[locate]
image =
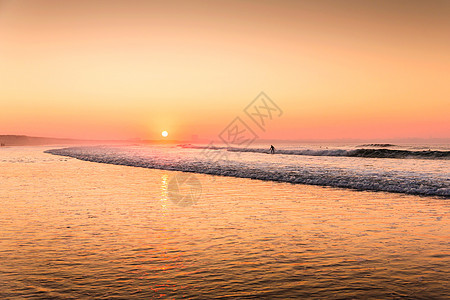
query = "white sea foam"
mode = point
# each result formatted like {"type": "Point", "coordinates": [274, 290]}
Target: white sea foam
{"type": "Point", "coordinates": [413, 176]}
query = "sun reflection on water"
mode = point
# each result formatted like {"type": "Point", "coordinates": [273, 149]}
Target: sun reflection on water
{"type": "Point", "coordinates": [164, 191]}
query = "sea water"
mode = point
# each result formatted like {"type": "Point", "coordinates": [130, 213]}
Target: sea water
{"type": "Point", "coordinates": [391, 168]}
{"type": "Point", "coordinates": [75, 229]}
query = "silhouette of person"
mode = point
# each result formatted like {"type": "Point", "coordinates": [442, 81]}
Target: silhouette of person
{"type": "Point", "coordinates": [272, 149]}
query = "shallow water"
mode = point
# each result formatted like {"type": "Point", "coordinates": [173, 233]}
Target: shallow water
{"type": "Point", "coordinates": [73, 229]}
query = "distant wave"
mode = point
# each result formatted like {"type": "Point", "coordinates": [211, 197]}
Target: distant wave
{"type": "Point", "coordinates": [411, 182]}
{"type": "Point", "coordinates": [389, 153]}
{"type": "Point", "coordinates": [369, 153]}
{"type": "Point", "coordinates": [378, 145]}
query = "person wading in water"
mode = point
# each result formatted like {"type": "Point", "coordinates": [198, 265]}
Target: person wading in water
{"type": "Point", "coordinates": [272, 149]}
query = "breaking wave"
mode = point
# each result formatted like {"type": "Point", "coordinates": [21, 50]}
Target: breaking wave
{"type": "Point", "coordinates": [363, 152]}
{"type": "Point", "coordinates": [353, 175]}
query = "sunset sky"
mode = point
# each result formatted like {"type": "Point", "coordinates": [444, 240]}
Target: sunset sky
{"type": "Point", "coordinates": [131, 69]}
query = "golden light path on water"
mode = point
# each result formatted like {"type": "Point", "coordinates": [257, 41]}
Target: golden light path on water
{"type": "Point", "coordinates": [76, 229]}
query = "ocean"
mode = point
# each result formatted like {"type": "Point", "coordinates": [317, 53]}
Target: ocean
{"type": "Point", "coordinates": [410, 169]}
{"type": "Point", "coordinates": [324, 221]}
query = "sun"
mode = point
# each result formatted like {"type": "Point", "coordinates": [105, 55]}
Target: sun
{"type": "Point", "coordinates": [164, 133]}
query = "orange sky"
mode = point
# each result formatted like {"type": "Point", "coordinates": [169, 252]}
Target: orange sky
{"type": "Point", "coordinates": [127, 69]}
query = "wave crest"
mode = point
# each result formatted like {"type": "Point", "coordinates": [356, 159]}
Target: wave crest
{"type": "Point", "coordinates": [362, 152]}
{"type": "Point", "coordinates": [409, 182]}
